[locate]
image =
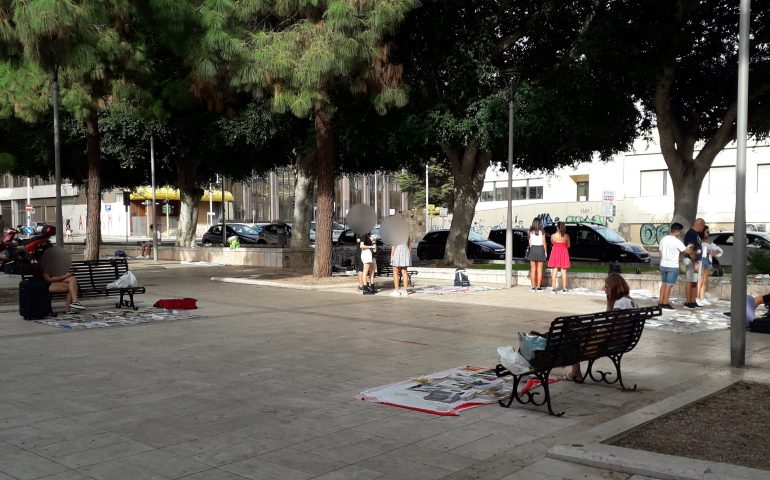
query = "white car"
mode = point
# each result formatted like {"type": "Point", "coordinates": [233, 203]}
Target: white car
{"type": "Point", "coordinates": [755, 241]}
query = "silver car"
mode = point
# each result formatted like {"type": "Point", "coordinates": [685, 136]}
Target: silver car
{"type": "Point", "coordinates": [755, 242]}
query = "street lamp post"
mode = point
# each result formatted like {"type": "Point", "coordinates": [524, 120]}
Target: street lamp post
{"type": "Point", "coordinates": [154, 224]}
{"type": "Point", "coordinates": [738, 292]}
{"type": "Point", "coordinates": [509, 215]}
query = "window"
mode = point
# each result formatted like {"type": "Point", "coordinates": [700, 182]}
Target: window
{"type": "Point", "coordinates": [722, 180]}
{"type": "Point", "coordinates": [654, 183]}
{"type": "Point", "coordinates": [522, 190]}
{"type": "Point", "coordinates": [536, 193]}
{"type": "Point", "coordinates": [582, 191]}
{"type": "Point", "coordinates": [763, 177]}
{"type": "Point", "coordinates": [487, 192]}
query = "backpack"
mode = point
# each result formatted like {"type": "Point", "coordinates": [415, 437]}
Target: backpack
{"type": "Point", "coordinates": [461, 278]}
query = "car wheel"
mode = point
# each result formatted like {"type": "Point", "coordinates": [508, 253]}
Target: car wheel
{"type": "Point", "coordinates": [261, 242]}
{"type": "Point", "coordinates": [206, 243]}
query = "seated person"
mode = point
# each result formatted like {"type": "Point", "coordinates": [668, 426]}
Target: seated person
{"type": "Point", "coordinates": [147, 246]}
{"type": "Point", "coordinates": [618, 298]}
{"type": "Point", "coordinates": [757, 301]}
{"type": "Point", "coordinates": [66, 283]}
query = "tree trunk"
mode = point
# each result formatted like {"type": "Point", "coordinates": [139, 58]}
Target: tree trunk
{"type": "Point", "coordinates": [322, 266]}
{"type": "Point", "coordinates": [303, 202]}
{"type": "Point", "coordinates": [468, 169]}
{"type": "Point", "coordinates": [687, 179]}
{"type": "Point", "coordinates": [93, 190]}
{"type": "Point", "coordinates": [190, 194]}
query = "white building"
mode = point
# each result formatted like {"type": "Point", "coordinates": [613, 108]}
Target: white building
{"type": "Point", "coordinates": [641, 187]}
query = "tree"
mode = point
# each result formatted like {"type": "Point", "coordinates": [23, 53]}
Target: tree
{"type": "Point", "coordinates": [457, 55]}
{"type": "Point", "coordinates": [94, 49]}
{"type": "Point", "coordinates": [301, 53]}
{"type": "Point", "coordinates": [440, 181]}
{"type": "Point", "coordinates": [679, 59]}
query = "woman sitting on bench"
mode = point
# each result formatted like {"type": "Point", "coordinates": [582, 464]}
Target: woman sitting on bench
{"type": "Point", "coordinates": [66, 283]}
{"type": "Point", "coordinates": [618, 298]}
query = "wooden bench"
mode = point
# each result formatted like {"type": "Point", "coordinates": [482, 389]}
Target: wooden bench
{"type": "Point", "coordinates": [581, 338]}
{"type": "Point", "coordinates": [93, 276]}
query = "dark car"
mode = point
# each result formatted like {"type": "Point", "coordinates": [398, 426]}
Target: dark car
{"type": "Point", "coordinates": [520, 240]}
{"type": "Point", "coordinates": [433, 245]}
{"type": "Point", "coordinates": [274, 234]}
{"type": "Point", "coordinates": [589, 242]}
{"type": "Point", "coordinates": [245, 234]}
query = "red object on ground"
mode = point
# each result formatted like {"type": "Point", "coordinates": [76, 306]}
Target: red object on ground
{"type": "Point", "coordinates": [176, 303]}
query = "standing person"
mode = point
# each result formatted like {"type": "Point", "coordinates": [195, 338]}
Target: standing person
{"type": "Point", "coordinates": [67, 231]}
{"type": "Point", "coordinates": [618, 298]}
{"type": "Point", "coordinates": [401, 260]}
{"type": "Point", "coordinates": [710, 252]}
{"type": "Point", "coordinates": [368, 255]}
{"type": "Point", "coordinates": [536, 254]}
{"type": "Point", "coordinates": [359, 265]}
{"type": "Point", "coordinates": [670, 247]}
{"type": "Point", "coordinates": [692, 261]}
{"type": "Point", "coordinates": [559, 259]}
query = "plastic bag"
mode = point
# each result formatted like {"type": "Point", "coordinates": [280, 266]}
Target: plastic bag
{"type": "Point", "coordinates": [512, 360]}
{"type": "Point", "coordinates": [125, 281]}
{"type": "Point", "coordinates": [528, 344]}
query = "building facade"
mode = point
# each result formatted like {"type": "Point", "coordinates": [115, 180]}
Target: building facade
{"type": "Point", "coordinates": [637, 184]}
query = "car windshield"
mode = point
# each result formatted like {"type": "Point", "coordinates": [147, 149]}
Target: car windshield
{"type": "Point", "coordinates": [610, 235]}
{"type": "Point", "coordinates": [475, 237]}
{"type": "Point", "coordinates": [244, 230]}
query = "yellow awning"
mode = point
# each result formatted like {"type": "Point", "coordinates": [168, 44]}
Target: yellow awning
{"type": "Point", "coordinates": [167, 193]}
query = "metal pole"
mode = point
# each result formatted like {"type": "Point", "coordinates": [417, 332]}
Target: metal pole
{"type": "Point", "coordinates": [738, 293]}
{"type": "Point", "coordinates": [128, 222]}
{"type": "Point", "coordinates": [224, 213]}
{"type": "Point", "coordinates": [29, 202]}
{"type": "Point", "coordinates": [509, 216]}
{"type": "Point", "coordinates": [376, 195]}
{"type": "Point", "coordinates": [154, 223]}
{"type": "Point", "coordinates": [57, 156]}
{"type": "Point", "coordinates": [427, 228]}
{"type": "Point", "coordinates": [211, 205]}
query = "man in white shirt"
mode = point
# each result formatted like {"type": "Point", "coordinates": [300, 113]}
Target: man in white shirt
{"type": "Point", "coordinates": [670, 248]}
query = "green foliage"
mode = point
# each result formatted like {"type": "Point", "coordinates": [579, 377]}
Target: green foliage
{"type": "Point", "coordinates": [759, 262]}
{"type": "Point", "coordinates": [441, 186]}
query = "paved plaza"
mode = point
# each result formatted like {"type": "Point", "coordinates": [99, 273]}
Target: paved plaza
{"type": "Point", "coordinates": [263, 386]}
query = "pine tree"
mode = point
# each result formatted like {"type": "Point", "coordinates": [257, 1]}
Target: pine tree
{"type": "Point", "coordinates": [300, 53]}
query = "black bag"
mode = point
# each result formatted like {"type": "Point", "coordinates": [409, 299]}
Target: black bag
{"type": "Point", "coordinates": [461, 278]}
{"type": "Point", "coordinates": [615, 267]}
{"type": "Point", "coordinates": [760, 325]}
{"type": "Point", "coordinates": [34, 299]}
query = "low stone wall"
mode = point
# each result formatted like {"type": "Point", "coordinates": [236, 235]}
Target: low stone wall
{"type": "Point", "coordinates": [718, 286]}
{"type": "Point", "coordinates": [256, 257]}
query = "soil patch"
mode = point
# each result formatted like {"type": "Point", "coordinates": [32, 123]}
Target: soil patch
{"type": "Point", "coordinates": [729, 427]}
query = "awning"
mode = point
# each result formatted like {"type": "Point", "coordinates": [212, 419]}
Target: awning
{"type": "Point", "coordinates": [167, 193]}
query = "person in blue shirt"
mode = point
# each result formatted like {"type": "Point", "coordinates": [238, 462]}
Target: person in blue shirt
{"type": "Point", "coordinates": [693, 240]}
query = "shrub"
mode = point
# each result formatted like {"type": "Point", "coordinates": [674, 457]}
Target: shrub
{"type": "Point", "coordinates": [759, 262]}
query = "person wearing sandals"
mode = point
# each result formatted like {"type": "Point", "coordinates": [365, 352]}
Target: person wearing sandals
{"type": "Point", "coordinates": [401, 260]}
{"type": "Point", "coordinates": [618, 298]}
{"type": "Point", "coordinates": [368, 252]}
{"type": "Point", "coordinates": [559, 259]}
{"type": "Point", "coordinates": [536, 254]}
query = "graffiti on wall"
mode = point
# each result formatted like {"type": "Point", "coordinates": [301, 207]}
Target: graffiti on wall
{"type": "Point", "coordinates": [651, 234]}
{"type": "Point", "coordinates": [596, 219]}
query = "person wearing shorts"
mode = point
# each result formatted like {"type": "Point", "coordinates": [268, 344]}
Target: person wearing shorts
{"type": "Point", "coordinates": [693, 262]}
{"type": "Point", "coordinates": [670, 248]}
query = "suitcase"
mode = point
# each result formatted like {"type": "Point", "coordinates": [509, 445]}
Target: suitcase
{"type": "Point", "coordinates": [760, 325]}
{"type": "Point", "coordinates": [34, 299]}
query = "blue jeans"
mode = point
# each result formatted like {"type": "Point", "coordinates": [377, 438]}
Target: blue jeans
{"type": "Point", "coordinates": [668, 275]}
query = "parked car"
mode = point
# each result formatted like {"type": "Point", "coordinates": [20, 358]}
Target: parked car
{"type": "Point", "coordinates": [337, 229]}
{"type": "Point", "coordinates": [520, 240]}
{"type": "Point", "coordinates": [274, 234]}
{"type": "Point", "coordinates": [246, 234]}
{"type": "Point", "coordinates": [433, 246]}
{"type": "Point", "coordinates": [589, 242]}
{"type": "Point", "coordinates": [755, 241]}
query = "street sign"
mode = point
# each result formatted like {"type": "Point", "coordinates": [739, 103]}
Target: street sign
{"type": "Point", "coordinates": [107, 207]}
{"type": "Point", "coordinates": [29, 208]}
{"type": "Point", "coordinates": [443, 212]}
{"type": "Point", "coordinates": [608, 203]}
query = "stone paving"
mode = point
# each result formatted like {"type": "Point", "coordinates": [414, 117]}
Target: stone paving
{"type": "Point", "coordinates": [262, 386]}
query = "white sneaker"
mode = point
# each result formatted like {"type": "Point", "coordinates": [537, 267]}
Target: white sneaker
{"type": "Point", "coordinates": [77, 306]}
{"type": "Point", "coordinates": [403, 292]}
{"type": "Point", "coordinates": [395, 293]}
{"type": "Point", "coordinates": [703, 302]}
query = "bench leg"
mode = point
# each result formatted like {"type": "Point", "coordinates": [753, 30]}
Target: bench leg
{"type": "Point", "coordinates": [530, 396]}
{"type": "Point", "coordinates": [604, 377]}
{"type": "Point", "coordinates": [127, 303]}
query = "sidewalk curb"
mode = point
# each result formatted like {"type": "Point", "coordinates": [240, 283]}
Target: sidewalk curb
{"type": "Point", "coordinates": [274, 284]}
{"type": "Point", "coordinates": [596, 454]}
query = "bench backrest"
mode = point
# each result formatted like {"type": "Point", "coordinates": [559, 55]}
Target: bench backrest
{"type": "Point", "coordinates": [578, 338]}
{"type": "Point", "coordinates": [96, 274]}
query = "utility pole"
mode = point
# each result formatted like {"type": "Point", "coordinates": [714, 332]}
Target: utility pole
{"type": "Point", "coordinates": [427, 228]}
{"type": "Point", "coordinates": [154, 224]}
{"type": "Point", "coordinates": [738, 292]}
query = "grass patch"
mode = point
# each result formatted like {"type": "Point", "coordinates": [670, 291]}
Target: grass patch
{"type": "Point", "coordinates": [576, 268]}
